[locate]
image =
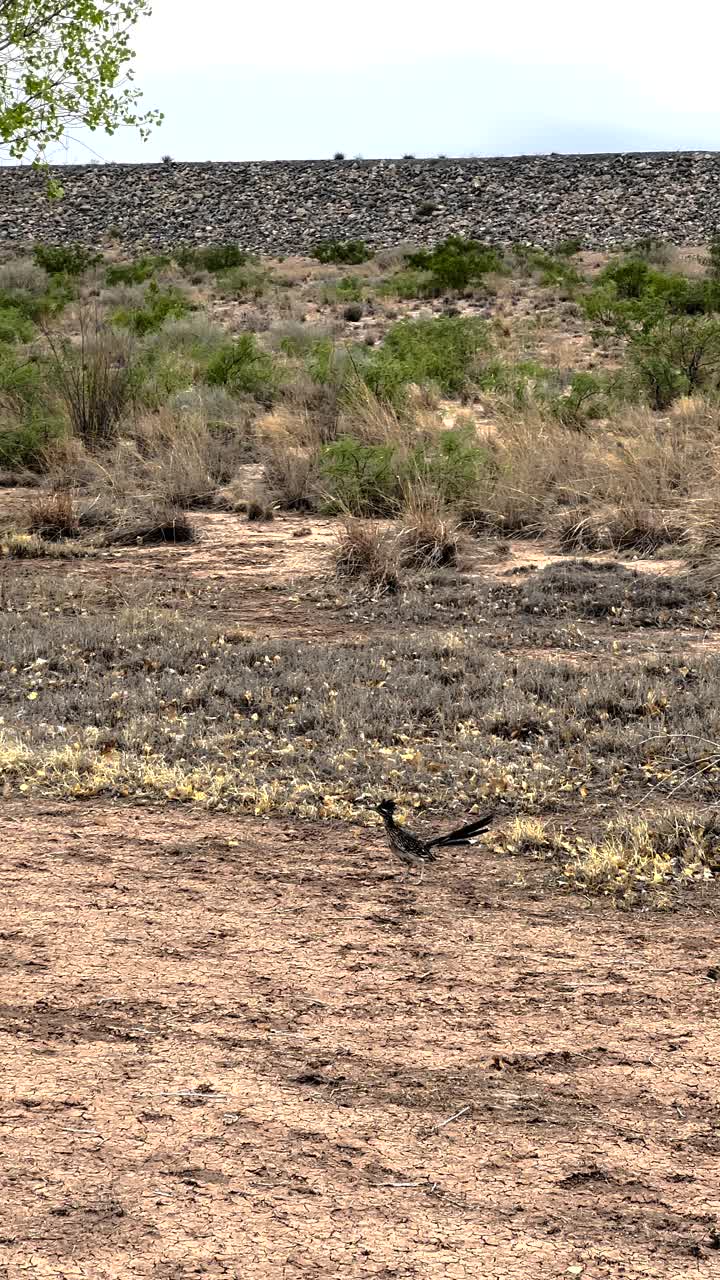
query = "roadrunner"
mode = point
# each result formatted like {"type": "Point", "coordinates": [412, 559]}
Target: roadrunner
{"type": "Point", "coordinates": [415, 852]}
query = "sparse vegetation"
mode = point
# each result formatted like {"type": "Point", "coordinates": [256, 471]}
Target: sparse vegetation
{"type": "Point", "coordinates": [347, 252]}
{"type": "Point", "coordinates": [440, 429]}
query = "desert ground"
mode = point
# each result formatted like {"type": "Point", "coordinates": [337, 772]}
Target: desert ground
{"type": "Point", "coordinates": [238, 1040]}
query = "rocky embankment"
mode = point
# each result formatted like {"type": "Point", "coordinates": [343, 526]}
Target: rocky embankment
{"type": "Point", "coordinates": [285, 207]}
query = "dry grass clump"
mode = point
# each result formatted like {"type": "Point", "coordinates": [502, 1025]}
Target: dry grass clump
{"type": "Point", "coordinates": [428, 537]}
{"type": "Point", "coordinates": [173, 457]}
{"type": "Point", "coordinates": [144, 524]}
{"type": "Point", "coordinates": [636, 858]}
{"type": "Point", "coordinates": [29, 546]}
{"type": "Point", "coordinates": [370, 551]}
{"type": "Point", "coordinates": [94, 379]}
{"type": "Point", "coordinates": [53, 516]}
{"type": "Point", "coordinates": [626, 526]}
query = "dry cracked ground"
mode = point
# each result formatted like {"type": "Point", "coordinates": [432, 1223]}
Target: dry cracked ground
{"type": "Point", "coordinates": [243, 1047]}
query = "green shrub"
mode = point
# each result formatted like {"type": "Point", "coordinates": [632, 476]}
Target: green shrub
{"type": "Point", "coordinates": [630, 277]}
{"type": "Point", "coordinates": [455, 264]}
{"type": "Point", "coordinates": [408, 283]}
{"type": "Point", "coordinates": [552, 269]}
{"type": "Point", "coordinates": [348, 289]}
{"type": "Point", "coordinates": [375, 479]}
{"type": "Point", "coordinates": [27, 424]}
{"type": "Point", "coordinates": [441, 352]}
{"type": "Point", "coordinates": [158, 306]}
{"type": "Point", "coordinates": [713, 259]}
{"type": "Point", "coordinates": [211, 257]}
{"type": "Point", "coordinates": [136, 272]}
{"type": "Point", "coordinates": [568, 248]}
{"type": "Point", "coordinates": [677, 356]}
{"type": "Point", "coordinates": [14, 325]}
{"type": "Point", "coordinates": [65, 259]}
{"type": "Point", "coordinates": [584, 399]}
{"type": "Point", "coordinates": [348, 252]}
{"type": "Point", "coordinates": [242, 366]}
{"type": "Point", "coordinates": [452, 465]}
{"type": "Point", "coordinates": [518, 382]}
{"type": "Point", "coordinates": [244, 283]}
{"type": "Point", "coordinates": [361, 479]}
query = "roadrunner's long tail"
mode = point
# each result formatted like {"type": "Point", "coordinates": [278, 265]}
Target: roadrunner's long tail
{"type": "Point", "coordinates": [463, 835]}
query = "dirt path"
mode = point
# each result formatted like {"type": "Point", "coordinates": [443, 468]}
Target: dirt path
{"type": "Point", "coordinates": [232, 1047]}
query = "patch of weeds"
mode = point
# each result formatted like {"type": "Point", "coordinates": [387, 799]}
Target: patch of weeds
{"type": "Point", "coordinates": [15, 325]}
{"type": "Point", "coordinates": [52, 516]}
{"type": "Point", "coordinates": [211, 257]}
{"type": "Point", "coordinates": [640, 858]}
{"type": "Point", "coordinates": [347, 289]}
{"type": "Point", "coordinates": [242, 366]}
{"type": "Point", "coordinates": [144, 525]}
{"type": "Point", "coordinates": [428, 537]}
{"type": "Point", "coordinates": [376, 479]}
{"type": "Point", "coordinates": [342, 252]}
{"type": "Point", "coordinates": [65, 259]}
{"type": "Point", "coordinates": [158, 306]}
{"type": "Point", "coordinates": [455, 264]}
{"type": "Point", "coordinates": [244, 284]}
{"type": "Point", "coordinates": [30, 546]}
{"type": "Point", "coordinates": [584, 399]}
{"type": "Point", "coordinates": [94, 379]}
{"type": "Point", "coordinates": [370, 553]}
{"type": "Point", "coordinates": [442, 352]}
{"type": "Point", "coordinates": [550, 269]}
{"type": "Point", "coordinates": [136, 272]}
{"type": "Point", "coordinates": [362, 479]}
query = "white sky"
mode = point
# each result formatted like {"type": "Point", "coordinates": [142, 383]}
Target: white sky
{"type": "Point", "coordinates": [281, 81]}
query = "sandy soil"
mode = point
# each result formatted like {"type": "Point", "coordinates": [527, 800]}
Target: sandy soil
{"type": "Point", "coordinates": [242, 1048]}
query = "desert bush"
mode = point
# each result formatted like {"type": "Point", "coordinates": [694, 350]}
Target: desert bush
{"type": "Point", "coordinates": [28, 420]}
{"type": "Point", "coordinates": [361, 479]}
{"type": "Point", "coordinates": [65, 259]}
{"type": "Point", "coordinates": [292, 472]}
{"type": "Point", "coordinates": [242, 366]}
{"type": "Point", "coordinates": [568, 248]}
{"type": "Point", "coordinates": [584, 399]}
{"type": "Point", "coordinates": [677, 356]}
{"type": "Point", "coordinates": [454, 265]}
{"type": "Point", "coordinates": [94, 379]}
{"type": "Point", "coordinates": [243, 283]}
{"type": "Point", "coordinates": [138, 271]}
{"type": "Point", "coordinates": [442, 352]}
{"type": "Point", "coordinates": [211, 257]}
{"type": "Point", "coordinates": [158, 306]}
{"type": "Point", "coordinates": [343, 252]}
{"type": "Point", "coordinates": [172, 360]}
{"type": "Point", "coordinates": [25, 287]}
{"type": "Point", "coordinates": [628, 525]}
{"type": "Point", "coordinates": [365, 480]}
{"type": "Point", "coordinates": [713, 258]}
{"type": "Point", "coordinates": [14, 325]}
{"type": "Point", "coordinates": [353, 313]}
{"type": "Point", "coordinates": [23, 276]}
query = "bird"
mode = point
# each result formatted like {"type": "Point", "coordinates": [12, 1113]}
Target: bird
{"type": "Point", "coordinates": [413, 851]}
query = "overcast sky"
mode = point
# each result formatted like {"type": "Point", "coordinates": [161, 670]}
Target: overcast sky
{"type": "Point", "coordinates": [284, 80]}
